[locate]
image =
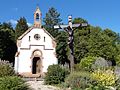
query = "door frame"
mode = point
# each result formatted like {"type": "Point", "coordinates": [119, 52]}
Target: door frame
{"type": "Point", "coordinates": [39, 55]}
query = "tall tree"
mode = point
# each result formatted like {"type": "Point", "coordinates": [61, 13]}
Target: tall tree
{"type": "Point", "coordinates": [7, 42]}
{"type": "Point", "coordinates": [62, 48]}
{"type": "Point", "coordinates": [21, 27]}
{"type": "Point", "coordinates": [52, 18]}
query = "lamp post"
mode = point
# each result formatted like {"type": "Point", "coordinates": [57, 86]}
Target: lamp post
{"type": "Point", "coordinates": [69, 29]}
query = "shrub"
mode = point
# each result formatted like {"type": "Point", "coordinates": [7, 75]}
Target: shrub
{"type": "Point", "coordinates": [100, 63]}
{"type": "Point", "coordinates": [78, 80]}
{"type": "Point", "coordinates": [77, 67]}
{"type": "Point", "coordinates": [104, 77]}
{"type": "Point", "coordinates": [87, 62]}
{"type": "Point", "coordinates": [12, 83]}
{"type": "Point", "coordinates": [6, 69]}
{"type": "Point", "coordinates": [117, 72]}
{"type": "Point", "coordinates": [55, 74]}
{"type": "Point", "coordinates": [117, 59]}
{"type": "Point", "coordinates": [97, 87]}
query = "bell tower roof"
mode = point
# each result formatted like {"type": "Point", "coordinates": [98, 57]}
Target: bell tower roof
{"type": "Point", "coordinates": [37, 9]}
{"type": "Point", "coordinates": [37, 17]}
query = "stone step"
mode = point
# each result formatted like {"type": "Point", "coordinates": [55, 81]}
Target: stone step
{"type": "Point", "coordinates": [32, 79]}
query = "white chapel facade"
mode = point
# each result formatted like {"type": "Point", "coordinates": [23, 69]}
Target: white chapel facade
{"type": "Point", "coordinates": [36, 50]}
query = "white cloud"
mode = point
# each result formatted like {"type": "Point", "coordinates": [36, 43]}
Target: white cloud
{"type": "Point", "coordinates": [14, 22]}
{"type": "Point", "coordinates": [29, 24]}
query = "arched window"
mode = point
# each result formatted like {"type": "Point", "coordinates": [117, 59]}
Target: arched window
{"type": "Point", "coordinates": [37, 17]}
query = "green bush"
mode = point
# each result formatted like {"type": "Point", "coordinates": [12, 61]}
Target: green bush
{"type": "Point", "coordinates": [77, 67]}
{"type": "Point", "coordinates": [86, 63]}
{"type": "Point", "coordinates": [55, 74]}
{"type": "Point", "coordinates": [97, 87]}
{"type": "Point", "coordinates": [117, 59]}
{"type": "Point", "coordinates": [6, 69]}
{"type": "Point", "coordinates": [97, 80]}
{"type": "Point", "coordinates": [12, 83]}
{"type": "Point", "coordinates": [78, 80]}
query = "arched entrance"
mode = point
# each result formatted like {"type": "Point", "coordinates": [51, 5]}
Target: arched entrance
{"type": "Point", "coordinates": [36, 62]}
{"type": "Point", "coordinates": [36, 65]}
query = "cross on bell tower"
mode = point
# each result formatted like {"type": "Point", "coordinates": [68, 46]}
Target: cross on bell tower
{"type": "Point", "coordinates": [37, 18]}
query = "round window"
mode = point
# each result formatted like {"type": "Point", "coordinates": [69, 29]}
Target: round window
{"type": "Point", "coordinates": [37, 36]}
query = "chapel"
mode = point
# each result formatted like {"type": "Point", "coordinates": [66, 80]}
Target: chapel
{"type": "Point", "coordinates": [35, 50]}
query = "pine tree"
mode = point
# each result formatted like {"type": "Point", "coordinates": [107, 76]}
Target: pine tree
{"type": "Point", "coordinates": [21, 27]}
{"type": "Point", "coordinates": [51, 19]}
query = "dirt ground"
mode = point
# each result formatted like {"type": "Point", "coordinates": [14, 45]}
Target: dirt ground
{"type": "Point", "coordinates": [39, 85]}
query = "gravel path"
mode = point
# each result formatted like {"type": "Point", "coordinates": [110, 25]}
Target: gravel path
{"type": "Point", "coordinates": [39, 85]}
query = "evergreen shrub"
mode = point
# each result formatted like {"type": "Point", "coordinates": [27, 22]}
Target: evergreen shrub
{"type": "Point", "coordinates": [117, 59]}
{"type": "Point", "coordinates": [12, 83]}
{"type": "Point", "coordinates": [100, 63]}
{"type": "Point", "coordinates": [86, 63]}
{"type": "Point", "coordinates": [78, 80]}
{"type": "Point", "coordinates": [6, 69]}
{"type": "Point", "coordinates": [55, 75]}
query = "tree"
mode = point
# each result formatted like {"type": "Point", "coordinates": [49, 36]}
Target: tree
{"type": "Point", "coordinates": [79, 20]}
{"type": "Point", "coordinates": [21, 27]}
{"type": "Point", "coordinates": [62, 48]}
{"type": "Point", "coordinates": [7, 42]}
{"type": "Point", "coordinates": [51, 19]}
{"type": "Point", "coordinates": [80, 40]}
{"type": "Point", "coordinates": [93, 41]}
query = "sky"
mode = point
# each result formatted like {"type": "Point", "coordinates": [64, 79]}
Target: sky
{"type": "Point", "coordinates": [103, 13]}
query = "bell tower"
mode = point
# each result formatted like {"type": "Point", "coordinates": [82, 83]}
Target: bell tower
{"type": "Point", "coordinates": [37, 18]}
